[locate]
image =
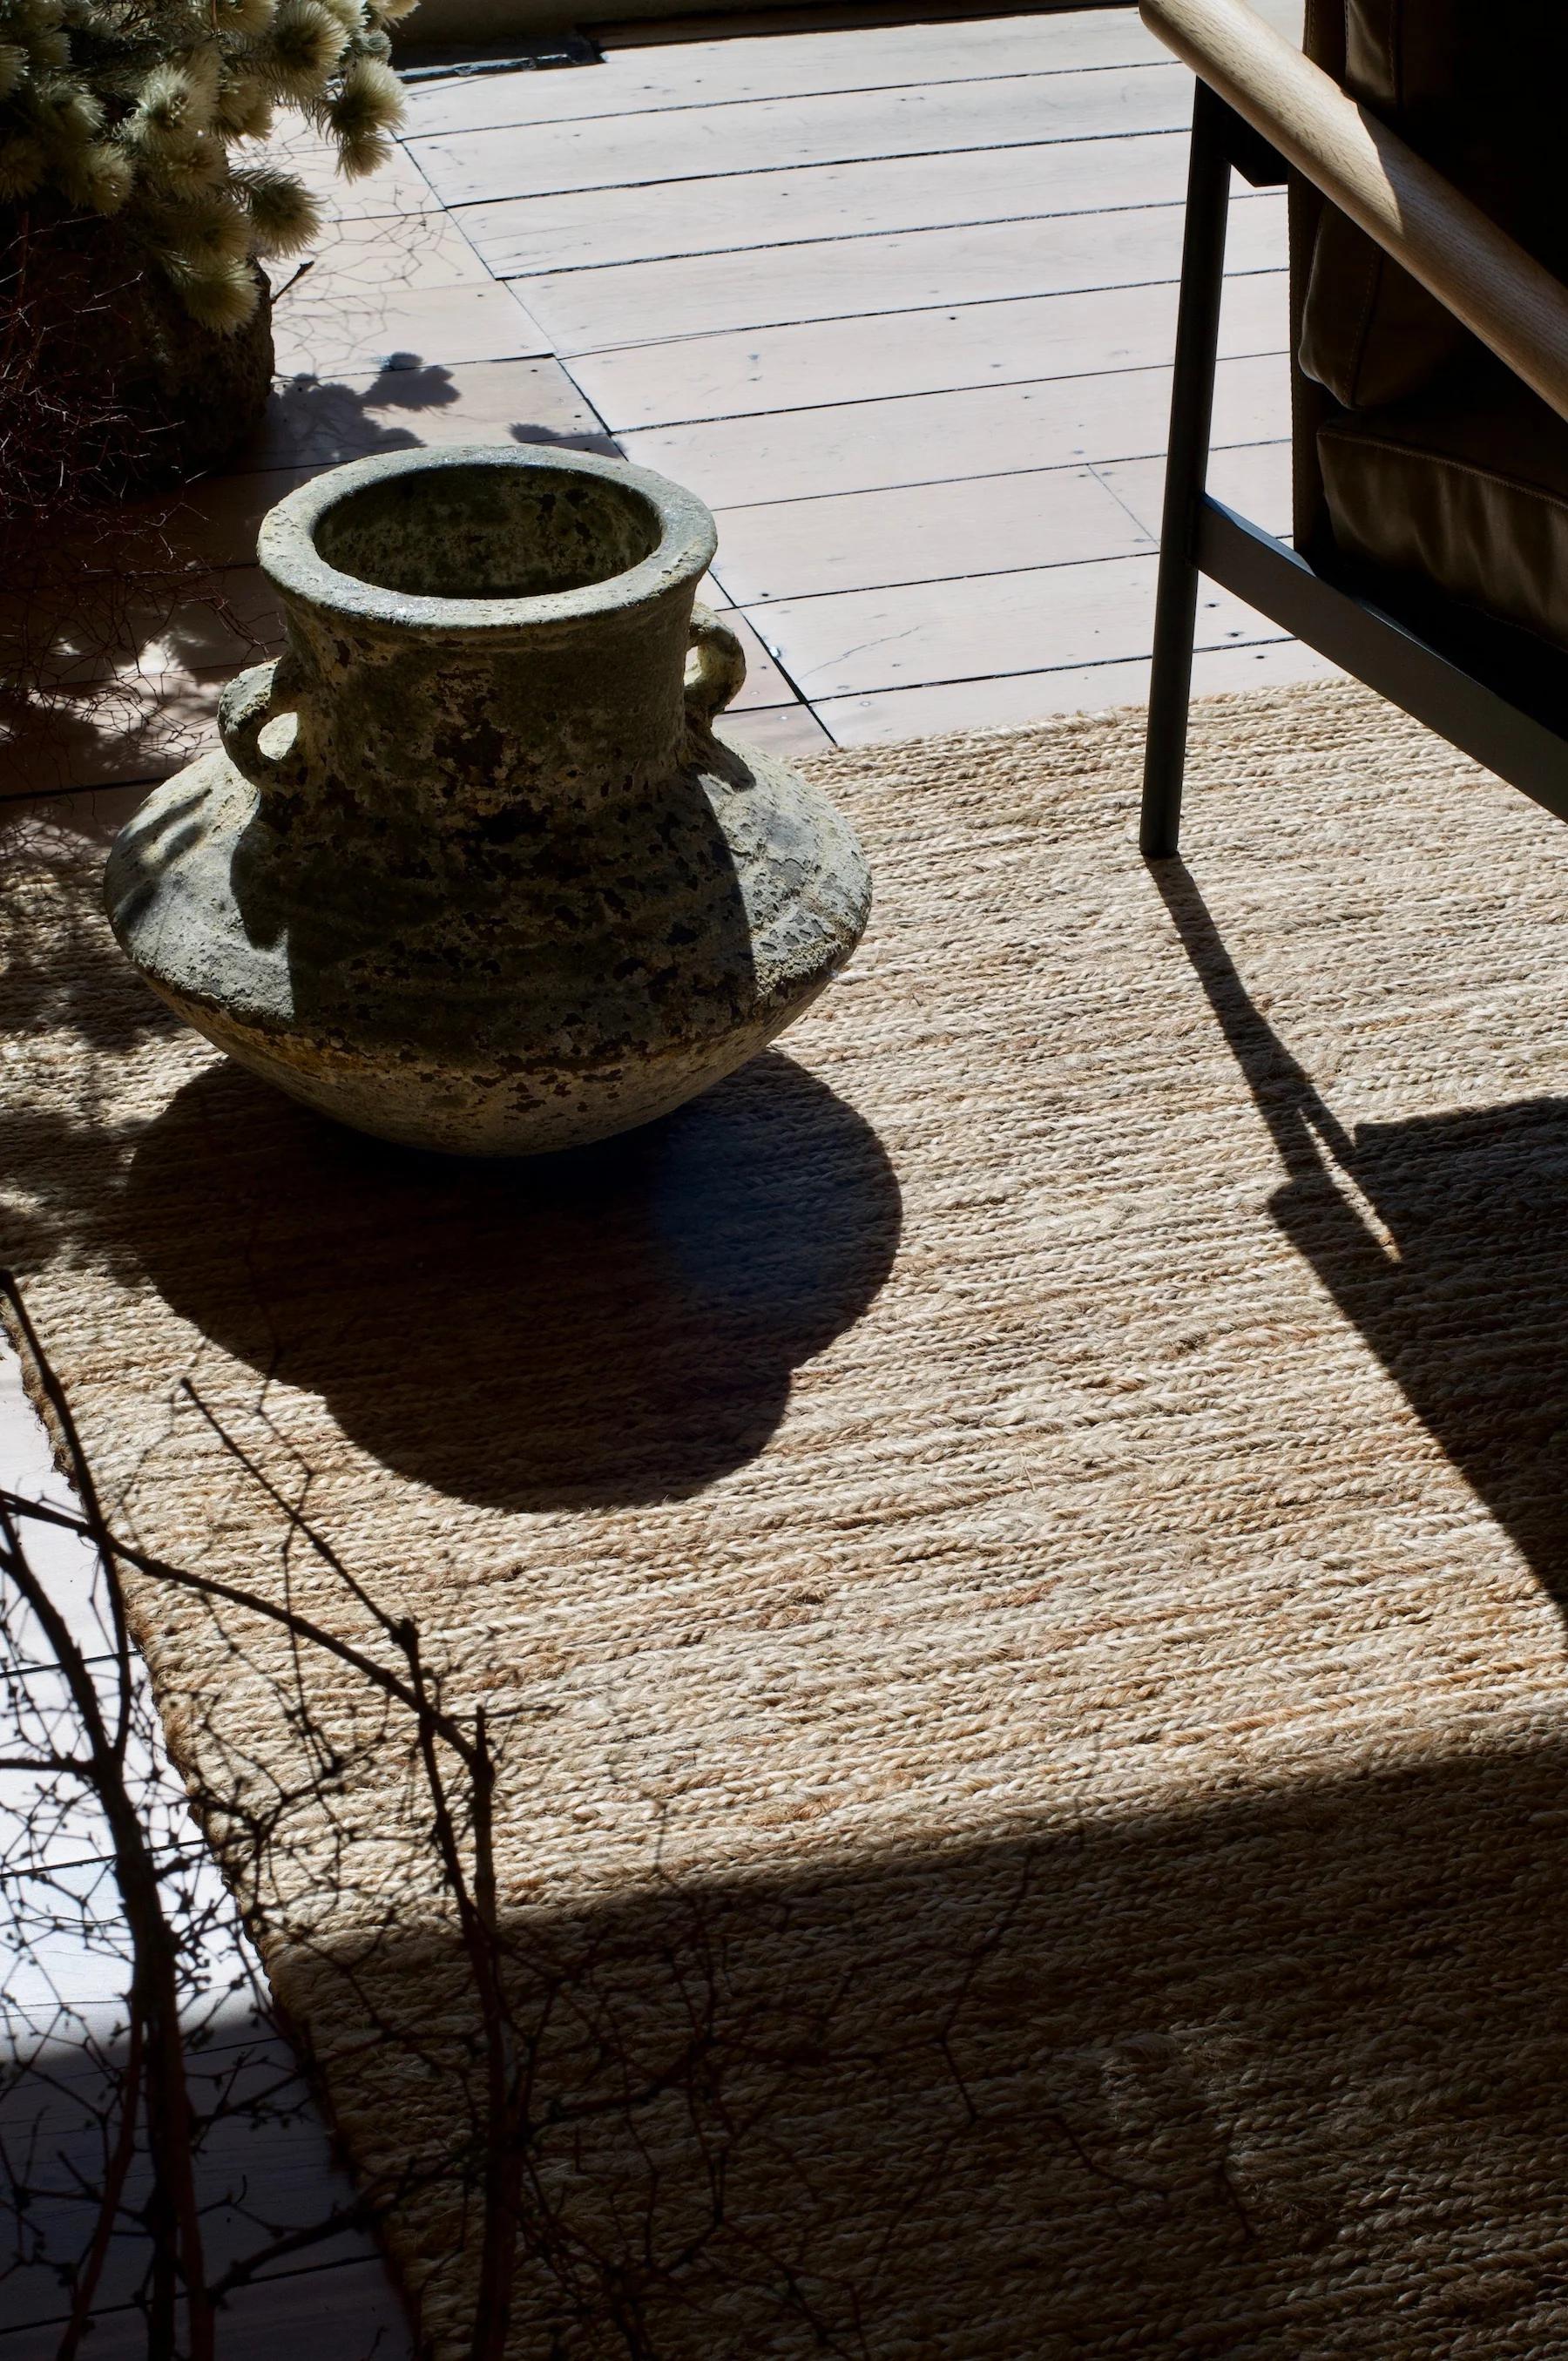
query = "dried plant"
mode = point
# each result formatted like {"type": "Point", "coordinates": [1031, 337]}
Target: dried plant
{"type": "Point", "coordinates": [139, 110]}
{"type": "Point", "coordinates": [136, 198]}
{"type": "Point", "coordinates": [96, 588]}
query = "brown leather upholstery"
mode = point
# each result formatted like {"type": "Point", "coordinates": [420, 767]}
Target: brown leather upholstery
{"type": "Point", "coordinates": [1476, 87]}
{"type": "Point", "coordinates": [1370, 333]}
{"type": "Point", "coordinates": [1464, 487]}
{"type": "Point", "coordinates": [1434, 463]}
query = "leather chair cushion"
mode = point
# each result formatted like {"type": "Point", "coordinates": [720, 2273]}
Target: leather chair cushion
{"type": "Point", "coordinates": [1370, 332]}
{"type": "Point", "coordinates": [1465, 489]}
{"type": "Point", "coordinates": [1476, 87]}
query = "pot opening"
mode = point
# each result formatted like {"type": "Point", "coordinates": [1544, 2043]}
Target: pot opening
{"type": "Point", "coordinates": [489, 532]}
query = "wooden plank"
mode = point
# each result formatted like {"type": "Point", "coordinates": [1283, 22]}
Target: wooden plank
{"type": "Point", "coordinates": [135, 702]}
{"type": "Point", "coordinates": [868, 359]}
{"type": "Point", "coordinates": [861, 541]}
{"type": "Point", "coordinates": [813, 16]}
{"type": "Point", "coordinates": [1024, 698]}
{"type": "Point", "coordinates": [1253, 478]}
{"type": "Point", "coordinates": [311, 423]}
{"type": "Point", "coordinates": [263, 2158]}
{"type": "Point", "coordinates": [402, 329]}
{"type": "Point", "coordinates": [216, 520]}
{"type": "Point", "coordinates": [357, 257]}
{"type": "Point", "coordinates": [936, 437]}
{"type": "Point", "coordinates": [765, 684]}
{"type": "Point", "coordinates": [765, 689]}
{"type": "Point", "coordinates": [865, 641]}
{"type": "Point", "coordinates": [153, 633]}
{"type": "Point", "coordinates": [727, 72]}
{"type": "Point", "coordinates": [122, 733]}
{"type": "Point", "coordinates": [68, 1565]}
{"type": "Point", "coordinates": [348, 2310]}
{"type": "Point", "coordinates": [100, 813]}
{"type": "Point", "coordinates": [792, 731]}
{"type": "Point", "coordinates": [632, 303]}
{"type": "Point", "coordinates": [151, 726]}
{"type": "Point", "coordinates": [596, 226]}
{"type": "Point", "coordinates": [397, 186]}
{"type": "Point", "coordinates": [846, 127]}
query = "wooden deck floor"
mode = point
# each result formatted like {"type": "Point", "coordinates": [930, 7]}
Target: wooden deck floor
{"type": "Point", "coordinates": [898, 301]}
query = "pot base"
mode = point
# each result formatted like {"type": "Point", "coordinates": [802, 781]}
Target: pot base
{"type": "Point", "coordinates": [431, 1105]}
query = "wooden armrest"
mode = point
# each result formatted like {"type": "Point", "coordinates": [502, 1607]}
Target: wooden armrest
{"type": "Point", "coordinates": [1500, 293]}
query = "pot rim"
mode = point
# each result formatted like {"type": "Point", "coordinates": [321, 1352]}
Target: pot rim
{"type": "Point", "coordinates": [286, 548]}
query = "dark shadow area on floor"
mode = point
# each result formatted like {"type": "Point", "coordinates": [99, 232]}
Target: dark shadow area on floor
{"type": "Point", "coordinates": [314, 421]}
{"type": "Point", "coordinates": [619, 1323]}
{"type": "Point", "coordinates": [1272, 2076]}
{"type": "Point", "coordinates": [1464, 1300]}
{"type": "Point", "coordinates": [261, 2167]}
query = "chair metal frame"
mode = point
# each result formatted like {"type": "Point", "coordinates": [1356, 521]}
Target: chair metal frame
{"type": "Point", "coordinates": [1445, 673]}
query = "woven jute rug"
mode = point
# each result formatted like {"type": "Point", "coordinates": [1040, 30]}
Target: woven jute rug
{"type": "Point", "coordinates": [1013, 1555]}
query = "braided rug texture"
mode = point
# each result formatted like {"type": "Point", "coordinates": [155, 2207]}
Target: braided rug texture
{"type": "Point", "coordinates": [1015, 1552]}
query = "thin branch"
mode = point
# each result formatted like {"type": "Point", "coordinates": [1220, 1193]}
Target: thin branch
{"type": "Point", "coordinates": [85, 1487]}
{"type": "Point", "coordinates": [208, 1587]}
{"type": "Point", "coordinates": [108, 2203]}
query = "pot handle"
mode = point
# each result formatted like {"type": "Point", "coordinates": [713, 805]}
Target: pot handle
{"type": "Point", "coordinates": [720, 666]}
{"type": "Point", "coordinates": [250, 701]}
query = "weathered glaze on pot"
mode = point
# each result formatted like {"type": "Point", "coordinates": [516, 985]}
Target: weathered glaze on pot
{"type": "Point", "coordinates": [471, 871]}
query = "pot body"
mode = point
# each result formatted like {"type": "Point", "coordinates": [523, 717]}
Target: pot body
{"type": "Point", "coordinates": [471, 871]}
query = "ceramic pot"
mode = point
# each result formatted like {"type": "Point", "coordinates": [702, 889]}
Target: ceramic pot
{"type": "Point", "coordinates": [471, 871]}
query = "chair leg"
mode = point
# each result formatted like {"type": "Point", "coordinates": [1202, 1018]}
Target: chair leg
{"type": "Point", "coordinates": [1186, 463]}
